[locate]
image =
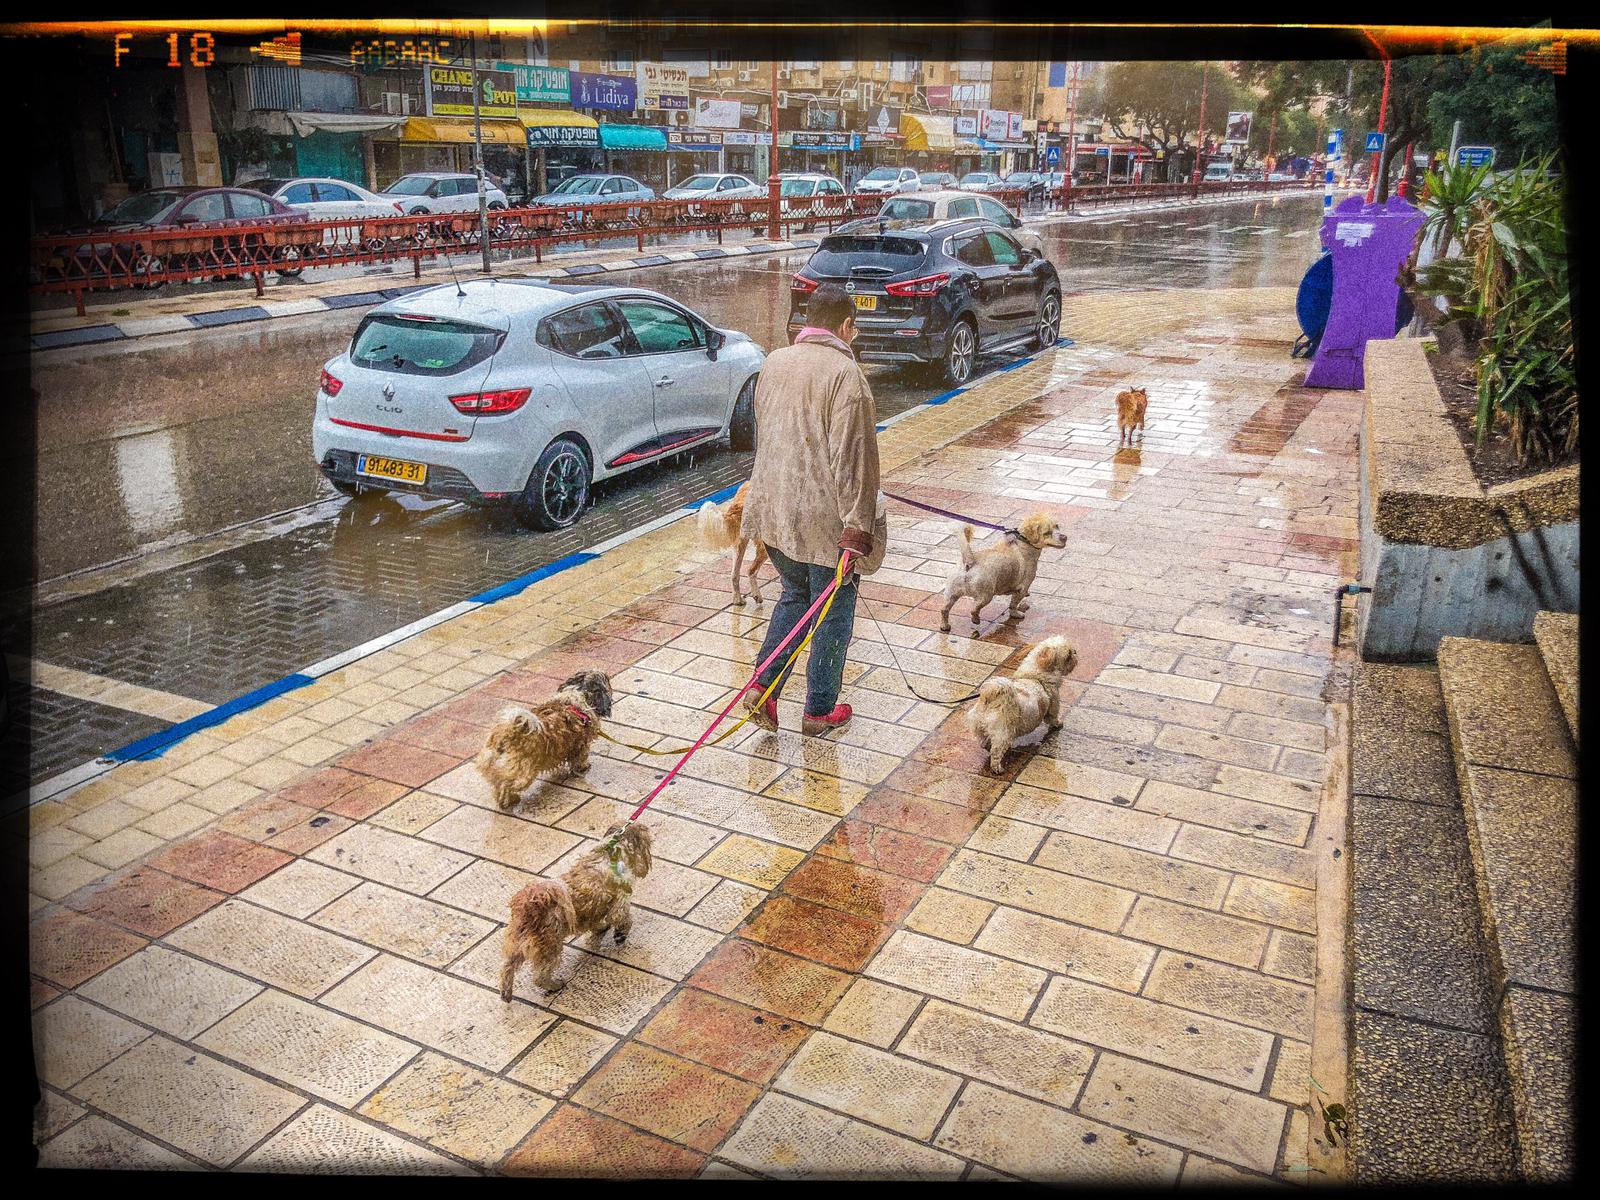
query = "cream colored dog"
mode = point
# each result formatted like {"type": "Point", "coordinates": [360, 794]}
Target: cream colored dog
{"type": "Point", "coordinates": [1004, 570]}
{"type": "Point", "coordinates": [1007, 709]}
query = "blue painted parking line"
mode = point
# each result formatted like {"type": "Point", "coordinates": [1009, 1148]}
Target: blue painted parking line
{"type": "Point", "coordinates": [353, 300]}
{"type": "Point", "coordinates": [710, 253]}
{"type": "Point", "coordinates": [522, 583]}
{"type": "Point", "coordinates": [85, 336]}
{"type": "Point", "coordinates": [585, 269]}
{"type": "Point", "coordinates": [158, 743]}
{"type": "Point", "coordinates": [229, 316]}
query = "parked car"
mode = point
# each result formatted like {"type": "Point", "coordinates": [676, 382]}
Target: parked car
{"type": "Point", "coordinates": [525, 393]}
{"type": "Point", "coordinates": [328, 199]}
{"type": "Point", "coordinates": [927, 208]}
{"type": "Point", "coordinates": [1031, 183]}
{"type": "Point", "coordinates": [1220, 172]}
{"type": "Point", "coordinates": [888, 181]}
{"type": "Point", "coordinates": [941, 294]}
{"type": "Point", "coordinates": [936, 181]}
{"type": "Point", "coordinates": [1056, 180]}
{"type": "Point", "coordinates": [585, 191]}
{"type": "Point", "coordinates": [713, 186]}
{"type": "Point", "coordinates": [441, 192]}
{"type": "Point", "coordinates": [811, 194]}
{"type": "Point", "coordinates": [980, 181]}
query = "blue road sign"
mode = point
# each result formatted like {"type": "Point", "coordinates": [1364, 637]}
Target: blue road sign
{"type": "Point", "coordinates": [1053, 154]}
{"type": "Point", "coordinates": [1474, 156]}
{"type": "Point", "coordinates": [1106, 150]}
{"type": "Point", "coordinates": [1375, 143]}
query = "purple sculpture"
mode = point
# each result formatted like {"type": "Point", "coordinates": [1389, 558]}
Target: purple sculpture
{"type": "Point", "coordinates": [1369, 243]}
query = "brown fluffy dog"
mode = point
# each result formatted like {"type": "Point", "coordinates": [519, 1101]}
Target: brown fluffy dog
{"type": "Point", "coordinates": [1004, 570]}
{"type": "Point", "coordinates": [1007, 709]}
{"type": "Point", "coordinates": [553, 735]}
{"type": "Point", "coordinates": [593, 898]}
{"type": "Point", "coordinates": [1130, 414]}
{"type": "Point", "coordinates": [718, 527]}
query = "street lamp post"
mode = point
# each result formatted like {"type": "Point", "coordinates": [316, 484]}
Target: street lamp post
{"type": "Point", "coordinates": [1200, 133]}
{"type": "Point", "coordinates": [477, 160]}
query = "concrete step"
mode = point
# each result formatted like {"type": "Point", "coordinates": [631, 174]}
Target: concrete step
{"type": "Point", "coordinates": [1557, 637]}
{"type": "Point", "coordinates": [1516, 770]}
{"type": "Point", "coordinates": [1428, 1088]}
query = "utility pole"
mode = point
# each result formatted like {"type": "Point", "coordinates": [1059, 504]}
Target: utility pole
{"type": "Point", "coordinates": [1378, 159]}
{"type": "Point", "coordinates": [1072, 129]}
{"type": "Point", "coordinates": [477, 160]}
{"type": "Point", "coordinates": [1455, 138]}
{"type": "Point", "coordinates": [1200, 133]}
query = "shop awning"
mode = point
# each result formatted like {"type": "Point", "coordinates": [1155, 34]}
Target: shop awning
{"type": "Point", "coordinates": [996, 147]}
{"type": "Point", "coordinates": [926, 132]}
{"type": "Point", "coordinates": [307, 123]}
{"type": "Point", "coordinates": [554, 127]}
{"type": "Point", "coordinates": [460, 129]}
{"type": "Point", "coordinates": [632, 137]}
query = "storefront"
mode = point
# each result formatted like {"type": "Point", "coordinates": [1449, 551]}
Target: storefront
{"type": "Point", "coordinates": [747, 153]}
{"type": "Point", "coordinates": [442, 144]}
{"type": "Point", "coordinates": [825, 153]}
{"type": "Point", "coordinates": [692, 152]}
{"type": "Point", "coordinates": [562, 143]}
{"type": "Point", "coordinates": [636, 150]}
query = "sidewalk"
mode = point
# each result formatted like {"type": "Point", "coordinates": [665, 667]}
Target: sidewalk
{"type": "Point", "coordinates": [276, 945]}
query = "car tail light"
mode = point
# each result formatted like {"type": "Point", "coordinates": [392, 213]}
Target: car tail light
{"type": "Point", "coordinates": [479, 404]}
{"type": "Point", "coordinates": [802, 284]}
{"type": "Point", "coordinates": [330, 384]}
{"type": "Point", "coordinates": [398, 209]}
{"type": "Point", "coordinates": [925, 286]}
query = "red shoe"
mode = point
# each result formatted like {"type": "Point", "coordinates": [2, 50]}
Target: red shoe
{"type": "Point", "coordinates": [837, 719]}
{"type": "Point", "coordinates": [766, 716]}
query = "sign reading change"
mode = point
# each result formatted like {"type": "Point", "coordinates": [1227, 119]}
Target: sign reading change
{"type": "Point", "coordinates": [450, 91]}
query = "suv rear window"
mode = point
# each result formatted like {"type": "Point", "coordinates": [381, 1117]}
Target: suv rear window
{"type": "Point", "coordinates": [838, 254]}
{"type": "Point", "coordinates": [387, 342]}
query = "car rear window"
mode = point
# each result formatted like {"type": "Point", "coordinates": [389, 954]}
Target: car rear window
{"type": "Point", "coordinates": [903, 209]}
{"type": "Point", "coordinates": [408, 346]}
{"type": "Point", "coordinates": [837, 255]}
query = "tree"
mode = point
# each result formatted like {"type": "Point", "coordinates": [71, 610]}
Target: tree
{"type": "Point", "coordinates": [1158, 104]}
{"type": "Point", "coordinates": [1501, 100]}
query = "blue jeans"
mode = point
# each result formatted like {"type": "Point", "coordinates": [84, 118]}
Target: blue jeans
{"type": "Point", "coordinates": [802, 584]}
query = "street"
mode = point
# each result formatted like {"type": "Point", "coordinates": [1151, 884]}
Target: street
{"type": "Point", "coordinates": [236, 564]}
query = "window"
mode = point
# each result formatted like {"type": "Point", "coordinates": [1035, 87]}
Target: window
{"type": "Point", "coordinates": [211, 207]}
{"type": "Point", "coordinates": [460, 187]}
{"type": "Point", "coordinates": [611, 188]}
{"type": "Point", "coordinates": [731, 182]}
{"type": "Point", "coordinates": [631, 185]}
{"type": "Point", "coordinates": [616, 60]}
{"type": "Point", "coordinates": [903, 209]}
{"type": "Point", "coordinates": [964, 207]}
{"type": "Point", "coordinates": [389, 342]}
{"type": "Point", "coordinates": [412, 185]}
{"type": "Point", "coordinates": [831, 187]}
{"type": "Point", "coordinates": [658, 329]}
{"type": "Point", "coordinates": [721, 60]}
{"type": "Point", "coordinates": [299, 193]}
{"type": "Point", "coordinates": [993, 210]}
{"type": "Point", "coordinates": [975, 252]}
{"type": "Point", "coordinates": [245, 205]}
{"type": "Point", "coordinates": [335, 191]}
{"type": "Point", "coordinates": [1005, 251]}
{"type": "Point", "coordinates": [591, 331]}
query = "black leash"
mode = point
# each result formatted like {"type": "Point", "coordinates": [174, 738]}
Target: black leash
{"type": "Point", "coordinates": [904, 678]}
{"type": "Point", "coordinates": [954, 516]}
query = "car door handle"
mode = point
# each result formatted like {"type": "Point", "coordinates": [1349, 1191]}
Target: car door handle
{"type": "Point", "coordinates": [665, 381]}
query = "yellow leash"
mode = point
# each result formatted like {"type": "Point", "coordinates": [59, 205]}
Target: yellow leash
{"type": "Point", "coordinates": [838, 580]}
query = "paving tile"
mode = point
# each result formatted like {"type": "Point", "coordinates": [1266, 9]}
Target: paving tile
{"type": "Point", "coordinates": [1012, 1056]}
{"type": "Point", "coordinates": [146, 901]}
{"type": "Point", "coordinates": [52, 1114]}
{"type": "Point", "coordinates": [1247, 997]}
{"type": "Point", "coordinates": [1038, 1142]}
{"type": "Point", "coordinates": [167, 1090]}
{"type": "Point", "coordinates": [812, 931]}
{"type": "Point", "coordinates": [1274, 903]}
{"type": "Point", "coordinates": [1052, 893]}
{"type": "Point", "coordinates": [72, 1040]}
{"type": "Point", "coordinates": [175, 821]}
{"type": "Point", "coordinates": [456, 1108]}
{"type": "Point", "coordinates": [870, 1084]}
{"type": "Point", "coordinates": [410, 864]}
{"type": "Point", "coordinates": [1106, 820]}
{"type": "Point", "coordinates": [1068, 949]}
{"type": "Point", "coordinates": [726, 905]}
{"type": "Point", "coordinates": [52, 845]}
{"type": "Point", "coordinates": [68, 948]}
{"type": "Point", "coordinates": [300, 888]}
{"type": "Point", "coordinates": [575, 1143]}
{"type": "Point", "coordinates": [100, 1145]}
{"type": "Point", "coordinates": [599, 990]}
{"type": "Point", "coordinates": [120, 849]}
{"type": "Point", "coordinates": [399, 762]}
{"type": "Point", "coordinates": [64, 876]}
{"type": "Point", "coordinates": [483, 887]}
{"type": "Point", "coordinates": [751, 861]}
{"type": "Point", "coordinates": [721, 1033]}
{"type": "Point", "coordinates": [956, 973]}
{"type": "Point", "coordinates": [873, 1012]}
{"type": "Point", "coordinates": [264, 945]}
{"type": "Point", "coordinates": [1135, 870]}
{"type": "Point", "coordinates": [322, 1141]}
{"type": "Point", "coordinates": [307, 1047]}
{"type": "Point", "coordinates": [949, 915]}
{"type": "Point", "coordinates": [346, 792]}
{"type": "Point", "coordinates": [675, 839]}
{"type": "Point", "coordinates": [1250, 856]}
{"type": "Point", "coordinates": [1007, 838]}
{"type": "Point", "coordinates": [173, 992]}
{"type": "Point", "coordinates": [788, 1139]}
{"type": "Point", "coordinates": [1291, 955]}
{"type": "Point", "coordinates": [562, 1057]}
{"type": "Point", "coordinates": [506, 839]}
{"type": "Point", "coordinates": [919, 815]}
{"type": "Point", "coordinates": [1268, 788]}
{"type": "Point", "coordinates": [767, 979]}
{"type": "Point", "coordinates": [875, 895]}
{"type": "Point", "coordinates": [1196, 931]}
{"type": "Point", "coordinates": [825, 793]}
{"type": "Point", "coordinates": [974, 792]}
{"type": "Point", "coordinates": [1221, 1122]}
{"type": "Point", "coordinates": [104, 819]}
{"type": "Point", "coordinates": [403, 924]}
{"type": "Point", "coordinates": [220, 860]}
{"type": "Point", "coordinates": [668, 1096]}
{"type": "Point", "coordinates": [1247, 817]}
{"type": "Point", "coordinates": [1291, 1074]}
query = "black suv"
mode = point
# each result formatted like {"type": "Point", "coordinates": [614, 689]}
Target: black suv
{"type": "Point", "coordinates": [941, 294]}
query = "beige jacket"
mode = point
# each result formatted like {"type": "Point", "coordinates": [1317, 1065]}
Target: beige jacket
{"type": "Point", "coordinates": [816, 469]}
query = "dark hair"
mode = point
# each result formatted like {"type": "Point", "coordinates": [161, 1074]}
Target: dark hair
{"type": "Point", "coordinates": [829, 307]}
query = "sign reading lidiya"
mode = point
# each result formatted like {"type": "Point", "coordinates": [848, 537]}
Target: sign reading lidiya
{"type": "Point", "coordinates": [663, 87]}
{"type": "Point", "coordinates": [450, 92]}
{"type": "Point", "coordinates": [1238, 129]}
{"type": "Point", "coordinates": [611, 93]}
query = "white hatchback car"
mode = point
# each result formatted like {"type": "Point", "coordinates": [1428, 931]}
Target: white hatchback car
{"type": "Point", "coordinates": [441, 192]}
{"type": "Point", "coordinates": [887, 181]}
{"type": "Point", "coordinates": [328, 199]}
{"type": "Point", "coordinates": [925, 208]}
{"type": "Point", "coordinates": [527, 392]}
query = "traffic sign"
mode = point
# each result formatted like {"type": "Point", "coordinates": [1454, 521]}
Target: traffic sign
{"type": "Point", "coordinates": [1052, 154]}
{"type": "Point", "coordinates": [1106, 150]}
{"type": "Point", "coordinates": [1474, 156]}
{"type": "Point", "coordinates": [1375, 143]}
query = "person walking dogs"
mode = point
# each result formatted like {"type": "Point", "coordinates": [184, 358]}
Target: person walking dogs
{"type": "Point", "coordinates": [814, 493]}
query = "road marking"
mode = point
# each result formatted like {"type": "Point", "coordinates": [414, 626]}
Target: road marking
{"type": "Point", "coordinates": [1262, 232]}
{"type": "Point", "coordinates": [114, 693]}
{"type": "Point", "coordinates": [1299, 233]}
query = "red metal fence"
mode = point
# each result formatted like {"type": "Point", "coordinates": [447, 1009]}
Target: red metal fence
{"type": "Point", "coordinates": [80, 263]}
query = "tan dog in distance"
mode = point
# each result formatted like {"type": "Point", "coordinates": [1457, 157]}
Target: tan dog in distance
{"type": "Point", "coordinates": [1007, 709]}
{"type": "Point", "coordinates": [718, 527]}
{"type": "Point", "coordinates": [1130, 414]}
{"type": "Point", "coordinates": [552, 736]}
{"type": "Point", "coordinates": [594, 897]}
{"type": "Point", "coordinates": [1004, 570]}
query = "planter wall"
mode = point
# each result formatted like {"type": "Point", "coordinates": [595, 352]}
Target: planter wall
{"type": "Point", "coordinates": [1444, 556]}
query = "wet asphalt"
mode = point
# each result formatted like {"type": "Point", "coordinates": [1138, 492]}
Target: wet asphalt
{"type": "Point", "coordinates": [197, 446]}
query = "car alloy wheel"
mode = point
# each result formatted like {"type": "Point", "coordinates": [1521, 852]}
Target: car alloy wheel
{"type": "Point", "coordinates": [557, 490]}
{"type": "Point", "coordinates": [1049, 320]}
{"type": "Point", "coordinates": [960, 353]}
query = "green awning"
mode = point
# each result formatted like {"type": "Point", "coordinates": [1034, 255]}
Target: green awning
{"type": "Point", "coordinates": [632, 137]}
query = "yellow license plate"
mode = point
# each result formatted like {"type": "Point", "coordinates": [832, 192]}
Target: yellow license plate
{"type": "Point", "coordinates": [392, 468]}
{"type": "Point", "coordinates": [866, 302]}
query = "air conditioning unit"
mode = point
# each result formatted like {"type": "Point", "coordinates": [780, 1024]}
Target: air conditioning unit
{"type": "Point", "coordinates": [746, 76]}
{"type": "Point", "coordinates": [849, 94]}
{"type": "Point", "coordinates": [783, 97]}
{"type": "Point", "coordinates": [396, 104]}
{"type": "Point", "coordinates": [785, 74]}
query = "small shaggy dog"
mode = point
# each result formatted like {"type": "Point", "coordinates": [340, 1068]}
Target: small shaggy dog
{"type": "Point", "coordinates": [1006, 569]}
{"type": "Point", "coordinates": [718, 527]}
{"type": "Point", "coordinates": [591, 898]}
{"type": "Point", "coordinates": [1007, 709]}
{"type": "Point", "coordinates": [1130, 414]}
{"type": "Point", "coordinates": [555, 734]}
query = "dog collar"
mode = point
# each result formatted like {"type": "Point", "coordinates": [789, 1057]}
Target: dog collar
{"type": "Point", "coordinates": [615, 851]}
{"type": "Point", "coordinates": [579, 713]}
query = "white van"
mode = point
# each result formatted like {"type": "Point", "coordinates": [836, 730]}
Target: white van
{"type": "Point", "coordinates": [1220, 172]}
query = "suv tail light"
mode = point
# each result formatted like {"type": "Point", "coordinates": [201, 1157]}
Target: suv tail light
{"type": "Point", "coordinates": [925, 286]}
{"type": "Point", "coordinates": [802, 284]}
{"type": "Point", "coordinates": [480, 404]}
{"type": "Point", "coordinates": [330, 384]}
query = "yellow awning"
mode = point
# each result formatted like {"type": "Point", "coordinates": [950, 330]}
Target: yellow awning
{"type": "Point", "coordinates": [537, 118]}
{"type": "Point", "coordinates": [460, 129]}
{"type": "Point", "coordinates": [924, 131]}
